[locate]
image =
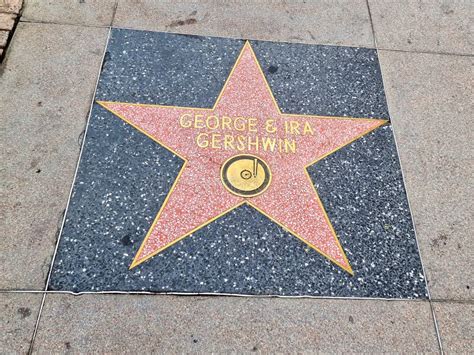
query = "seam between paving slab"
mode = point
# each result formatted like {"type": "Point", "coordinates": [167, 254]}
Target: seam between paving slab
{"type": "Point", "coordinates": [114, 11]}
{"type": "Point", "coordinates": [371, 24]}
{"type": "Point", "coordinates": [40, 22]}
{"type": "Point", "coordinates": [210, 294]}
{"type": "Point", "coordinates": [426, 52]}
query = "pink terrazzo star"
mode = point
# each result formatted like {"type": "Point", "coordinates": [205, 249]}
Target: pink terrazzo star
{"type": "Point", "coordinates": [198, 195]}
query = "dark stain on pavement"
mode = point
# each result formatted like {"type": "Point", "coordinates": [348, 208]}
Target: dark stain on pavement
{"type": "Point", "coordinates": [272, 69]}
{"type": "Point", "coordinates": [188, 21]}
{"type": "Point", "coordinates": [24, 312]}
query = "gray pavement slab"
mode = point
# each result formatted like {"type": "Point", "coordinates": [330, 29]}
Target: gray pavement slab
{"type": "Point", "coordinates": [78, 12]}
{"type": "Point", "coordinates": [18, 314]}
{"type": "Point", "coordinates": [46, 87]}
{"type": "Point", "coordinates": [341, 22]}
{"type": "Point", "coordinates": [429, 99]}
{"type": "Point", "coordinates": [120, 323]}
{"type": "Point", "coordinates": [456, 326]}
{"type": "Point", "coordinates": [434, 26]}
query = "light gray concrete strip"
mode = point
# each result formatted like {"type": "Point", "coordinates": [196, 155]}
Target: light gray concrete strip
{"type": "Point", "coordinates": [46, 88]}
{"type": "Point", "coordinates": [430, 102]}
{"type": "Point", "coordinates": [456, 326]}
{"type": "Point", "coordinates": [78, 12]}
{"type": "Point", "coordinates": [430, 26]}
{"type": "Point", "coordinates": [121, 323]}
{"type": "Point", "coordinates": [341, 22]}
{"type": "Point", "coordinates": [18, 313]}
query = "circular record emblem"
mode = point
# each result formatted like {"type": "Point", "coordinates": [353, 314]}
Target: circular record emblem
{"type": "Point", "coordinates": [245, 175]}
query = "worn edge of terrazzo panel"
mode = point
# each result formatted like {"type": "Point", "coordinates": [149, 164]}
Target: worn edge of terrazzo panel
{"type": "Point", "coordinates": [257, 43]}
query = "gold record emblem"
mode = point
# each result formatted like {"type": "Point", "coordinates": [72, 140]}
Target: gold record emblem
{"type": "Point", "coordinates": [245, 175]}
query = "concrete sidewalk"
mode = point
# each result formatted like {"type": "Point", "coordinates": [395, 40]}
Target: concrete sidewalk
{"type": "Point", "coordinates": [47, 83]}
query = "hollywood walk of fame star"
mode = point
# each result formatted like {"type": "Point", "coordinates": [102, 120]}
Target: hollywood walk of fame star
{"type": "Point", "coordinates": [243, 150]}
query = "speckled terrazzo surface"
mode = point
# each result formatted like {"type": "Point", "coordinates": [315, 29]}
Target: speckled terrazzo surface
{"type": "Point", "coordinates": [124, 177]}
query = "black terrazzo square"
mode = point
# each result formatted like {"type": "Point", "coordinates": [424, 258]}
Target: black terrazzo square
{"type": "Point", "coordinates": [124, 178]}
